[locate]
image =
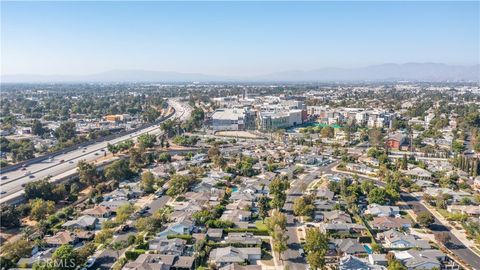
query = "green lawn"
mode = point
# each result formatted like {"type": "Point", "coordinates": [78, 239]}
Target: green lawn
{"type": "Point", "coordinates": [260, 225]}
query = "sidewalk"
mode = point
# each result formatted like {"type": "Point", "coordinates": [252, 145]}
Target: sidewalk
{"type": "Point", "coordinates": [460, 235]}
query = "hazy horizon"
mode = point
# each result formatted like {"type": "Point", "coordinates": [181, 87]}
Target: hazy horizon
{"type": "Point", "coordinates": [240, 39]}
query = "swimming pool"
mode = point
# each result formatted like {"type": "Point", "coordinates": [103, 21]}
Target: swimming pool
{"type": "Point", "coordinates": [368, 249]}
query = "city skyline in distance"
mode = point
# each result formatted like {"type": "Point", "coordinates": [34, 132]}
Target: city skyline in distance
{"type": "Point", "coordinates": [237, 40]}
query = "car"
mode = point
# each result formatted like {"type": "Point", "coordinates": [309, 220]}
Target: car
{"type": "Point", "coordinates": [3, 192]}
{"type": "Point", "coordinates": [61, 161]}
{"type": "Point", "coordinates": [302, 253]}
{"type": "Point", "coordinates": [23, 185]}
{"type": "Point", "coordinates": [96, 154]}
{"type": "Point", "coordinates": [23, 169]}
{"type": "Point", "coordinates": [83, 151]}
{"type": "Point", "coordinates": [4, 177]}
{"type": "Point", "coordinates": [90, 262]}
{"type": "Point", "coordinates": [31, 176]}
{"type": "Point", "coordinates": [27, 173]}
{"type": "Point", "coordinates": [71, 162]}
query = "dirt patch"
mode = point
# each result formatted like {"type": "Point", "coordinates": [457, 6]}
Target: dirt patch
{"type": "Point", "coordinates": [239, 134]}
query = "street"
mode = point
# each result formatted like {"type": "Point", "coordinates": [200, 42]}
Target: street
{"type": "Point", "coordinates": [292, 256]}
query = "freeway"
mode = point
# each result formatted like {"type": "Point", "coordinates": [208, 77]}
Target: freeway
{"type": "Point", "coordinates": [12, 182]}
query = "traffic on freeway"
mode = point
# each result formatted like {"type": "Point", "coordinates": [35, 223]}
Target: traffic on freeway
{"type": "Point", "coordinates": [13, 182]}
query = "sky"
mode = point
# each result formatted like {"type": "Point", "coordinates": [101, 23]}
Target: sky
{"type": "Point", "coordinates": [233, 38]}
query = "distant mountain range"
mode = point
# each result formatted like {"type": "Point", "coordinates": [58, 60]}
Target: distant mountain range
{"type": "Point", "coordinates": [428, 72]}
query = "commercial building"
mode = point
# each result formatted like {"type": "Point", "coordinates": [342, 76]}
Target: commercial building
{"type": "Point", "coordinates": [233, 119]}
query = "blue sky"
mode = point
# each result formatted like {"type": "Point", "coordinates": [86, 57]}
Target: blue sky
{"type": "Point", "coordinates": [233, 38]}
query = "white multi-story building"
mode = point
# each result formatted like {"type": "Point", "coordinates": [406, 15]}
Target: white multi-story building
{"type": "Point", "coordinates": [233, 119]}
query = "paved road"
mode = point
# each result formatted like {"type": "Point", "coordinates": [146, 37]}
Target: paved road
{"type": "Point", "coordinates": [292, 255]}
{"type": "Point", "coordinates": [455, 245]}
{"type": "Point", "coordinates": [15, 180]}
{"type": "Point", "coordinates": [437, 227]}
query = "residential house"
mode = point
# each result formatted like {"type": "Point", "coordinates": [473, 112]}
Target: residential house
{"type": "Point", "coordinates": [61, 238]}
{"type": "Point", "coordinates": [387, 223]}
{"type": "Point", "coordinates": [349, 262]}
{"type": "Point", "coordinates": [41, 256]}
{"type": "Point", "coordinates": [325, 194]}
{"type": "Point", "coordinates": [349, 246]}
{"type": "Point", "coordinates": [360, 168]}
{"type": "Point", "coordinates": [150, 262]}
{"type": "Point", "coordinates": [418, 173]}
{"type": "Point", "coordinates": [184, 263]}
{"type": "Point", "coordinates": [174, 246]}
{"type": "Point", "coordinates": [471, 210]}
{"type": "Point", "coordinates": [98, 211]}
{"type": "Point", "coordinates": [396, 239]}
{"type": "Point", "coordinates": [181, 227]}
{"type": "Point", "coordinates": [244, 238]}
{"type": "Point", "coordinates": [378, 259]}
{"type": "Point", "coordinates": [336, 216]}
{"type": "Point", "coordinates": [421, 259]}
{"type": "Point", "coordinates": [382, 210]}
{"type": "Point", "coordinates": [84, 222]}
{"type": "Point", "coordinates": [236, 216]}
{"type": "Point", "coordinates": [396, 140]}
{"type": "Point", "coordinates": [345, 228]}
{"type": "Point", "coordinates": [113, 205]}
{"type": "Point", "coordinates": [215, 234]}
{"type": "Point", "coordinates": [227, 255]}
{"type": "Point", "coordinates": [236, 266]}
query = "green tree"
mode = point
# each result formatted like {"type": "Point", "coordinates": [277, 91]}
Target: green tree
{"type": "Point", "coordinates": [147, 182]}
{"type": "Point", "coordinates": [37, 128]}
{"type": "Point", "coordinates": [276, 219]}
{"type": "Point", "coordinates": [87, 173]}
{"type": "Point", "coordinates": [103, 236]}
{"type": "Point", "coordinates": [14, 250]}
{"type": "Point", "coordinates": [279, 239]}
{"type": "Point", "coordinates": [213, 152]}
{"type": "Point", "coordinates": [303, 206]}
{"type": "Point", "coordinates": [9, 216]}
{"type": "Point", "coordinates": [316, 245]}
{"type": "Point", "coordinates": [146, 140]}
{"type": "Point", "coordinates": [179, 184]}
{"type": "Point", "coordinates": [395, 265]}
{"type": "Point", "coordinates": [278, 188]}
{"type": "Point", "coordinates": [118, 170]}
{"type": "Point", "coordinates": [112, 148]}
{"type": "Point", "coordinates": [42, 189]}
{"type": "Point", "coordinates": [425, 218]}
{"type": "Point", "coordinates": [263, 207]}
{"type": "Point", "coordinates": [66, 131]}
{"type": "Point", "coordinates": [40, 209]}
{"type": "Point", "coordinates": [67, 256]}
{"type": "Point", "coordinates": [377, 195]}
{"type": "Point", "coordinates": [327, 132]}
{"type": "Point", "coordinates": [164, 157]}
